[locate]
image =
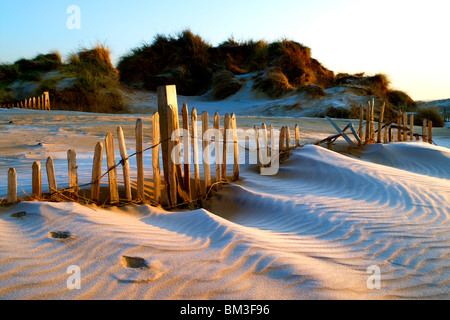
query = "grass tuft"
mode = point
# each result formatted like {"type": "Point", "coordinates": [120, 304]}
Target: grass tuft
{"type": "Point", "coordinates": [274, 83]}
{"type": "Point", "coordinates": [429, 113]}
{"type": "Point", "coordinates": [225, 84]}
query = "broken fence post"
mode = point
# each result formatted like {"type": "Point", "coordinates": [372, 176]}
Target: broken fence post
{"type": "Point", "coordinates": [112, 170]}
{"type": "Point", "coordinates": [51, 175]}
{"type": "Point", "coordinates": [97, 172]}
{"type": "Point", "coordinates": [125, 164]}
{"type": "Point", "coordinates": [73, 171]}
{"type": "Point", "coordinates": [36, 180]}
{"type": "Point", "coordinates": [12, 186]}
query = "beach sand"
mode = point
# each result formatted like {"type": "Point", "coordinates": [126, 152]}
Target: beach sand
{"type": "Point", "coordinates": [324, 227]}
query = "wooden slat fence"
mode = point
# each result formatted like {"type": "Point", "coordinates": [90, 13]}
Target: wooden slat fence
{"type": "Point", "coordinates": [41, 102]}
{"type": "Point", "coordinates": [178, 148]}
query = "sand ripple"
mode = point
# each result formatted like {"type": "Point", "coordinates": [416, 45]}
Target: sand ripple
{"type": "Point", "coordinates": [310, 232]}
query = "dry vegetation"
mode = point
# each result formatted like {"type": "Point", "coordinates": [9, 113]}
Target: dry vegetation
{"type": "Point", "coordinates": [96, 86]}
{"type": "Point", "coordinates": [379, 87]}
{"type": "Point", "coordinates": [195, 67]}
{"type": "Point", "coordinates": [225, 84]}
{"type": "Point", "coordinates": [191, 63]}
{"type": "Point", "coordinates": [430, 113]}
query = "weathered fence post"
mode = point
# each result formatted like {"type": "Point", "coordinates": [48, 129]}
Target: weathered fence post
{"type": "Point", "coordinates": [424, 130]}
{"type": "Point", "coordinates": [186, 150]}
{"type": "Point", "coordinates": [411, 127]}
{"type": "Point", "coordinates": [386, 134]}
{"type": "Point", "coordinates": [430, 131]}
{"type": "Point", "coordinates": [36, 180]}
{"type": "Point", "coordinates": [155, 158]}
{"type": "Point", "coordinates": [12, 186]}
{"type": "Point", "coordinates": [288, 138]}
{"type": "Point", "coordinates": [297, 136]}
{"type": "Point", "coordinates": [125, 164]}
{"type": "Point", "coordinates": [372, 121]}
{"type": "Point", "coordinates": [194, 125]}
{"type": "Point", "coordinates": [139, 131]}
{"type": "Point", "coordinates": [226, 136]}
{"type": "Point", "coordinates": [266, 141]}
{"type": "Point", "coordinates": [112, 170]}
{"type": "Point", "coordinates": [236, 148]}
{"type": "Point", "coordinates": [282, 140]}
{"type": "Point", "coordinates": [258, 147]}
{"type": "Point", "coordinates": [97, 172]}
{"type": "Point", "coordinates": [217, 148]}
{"type": "Point", "coordinates": [51, 175]}
{"type": "Point", "coordinates": [329, 145]}
{"type": "Point", "coordinates": [399, 131]}
{"type": "Point", "coordinates": [272, 140]}
{"type": "Point", "coordinates": [206, 160]}
{"type": "Point", "coordinates": [172, 178]}
{"type": "Point", "coordinates": [73, 172]}
{"type": "Point", "coordinates": [167, 96]}
{"type": "Point", "coordinates": [405, 125]}
{"type": "Point", "coordinates": [367, 138]}
{"type": "Point", "coordinates": [47, 100]}
{"type": "Point", "coordinates": [380, 122]}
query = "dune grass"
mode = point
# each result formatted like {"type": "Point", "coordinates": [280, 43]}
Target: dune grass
{"type": "Point", "coordinates": [182, 60]}
{"type": "Point", "coordinates": [189, 62]}
{"type": "Point", "coordinates": [274, 83]}
{"type": "Point", "coordinates": [430, 113]}
{"type": "Point", "coordinates": [225, 84]}
{"type": "Point", "coordinates": [96, 87]}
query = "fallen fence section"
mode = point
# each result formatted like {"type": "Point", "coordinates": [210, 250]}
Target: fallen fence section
{"type": "Point", "coordinates": [385, 131]}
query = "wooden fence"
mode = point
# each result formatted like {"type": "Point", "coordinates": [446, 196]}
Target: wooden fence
{"type": "Point", "coordinates": [397, 129]}
{"type": "Point", "coordinates": [41, 102]}
{"type": "Point", "coordinates": [179, 185]}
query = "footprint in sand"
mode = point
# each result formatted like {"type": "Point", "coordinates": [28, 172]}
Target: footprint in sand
{"type": "Point", "coordinates": [134, 262]}
{"type": "Point", "coordinates": [138, 271]}
{"type": "Point", "coordinates": [18, 214]}
{"type": "Point", "coordinates": [59, 235]}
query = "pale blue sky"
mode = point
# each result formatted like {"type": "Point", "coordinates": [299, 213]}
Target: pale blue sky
{"type": "Point", "coordinates": [408, 40]}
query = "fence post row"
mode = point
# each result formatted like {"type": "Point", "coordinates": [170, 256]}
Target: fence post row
{"type": "Point", "coordinates": [41, 102]}
{"type": "Point", "coordinates": [401, 120]}
{"type": "Point", "coordinates": [178, 187]}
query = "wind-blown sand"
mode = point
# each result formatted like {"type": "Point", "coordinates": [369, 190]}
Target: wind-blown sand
{"type": "Point", "coordinates": [309, 232]}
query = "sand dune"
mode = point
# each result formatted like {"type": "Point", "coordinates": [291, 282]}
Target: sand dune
{"type": "Point", "coordinates": [310, 232]}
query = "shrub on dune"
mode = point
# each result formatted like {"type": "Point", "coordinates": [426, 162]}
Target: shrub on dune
{"type": "Point", "coordinates": [401, 100]}
{"type": "Point", "coordinates": [8, 73]}
{"type": "Point", "coordinates": [379, 83]}
{"type": "Point", "coordinates": [312, 91]}
{"type": "Point", "coordinates": [182, 60]}
{"type": "Point", "coordinates": [225, 84]}
{"type": "Point", "coordinates": [294, 60]}
{"type": "Point", "coordinates": [274, 83]}
{"type": "Point", "coordinates": [41, 63]}
{"type": "Point", "coordinates": [96, 87]}
{"type": "Point", "coordinates": [429, 113]}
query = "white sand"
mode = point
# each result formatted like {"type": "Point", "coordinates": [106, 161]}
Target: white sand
{"type": "Point", "coordinates": [309, 232]}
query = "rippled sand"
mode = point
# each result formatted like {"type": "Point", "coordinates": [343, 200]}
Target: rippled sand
{"type": "Point", "coordinates": [310, 232]}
